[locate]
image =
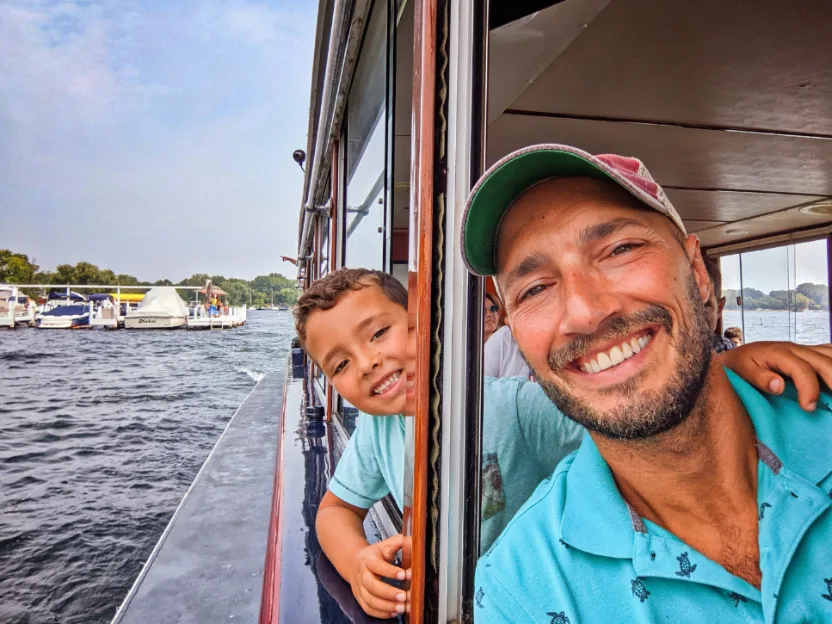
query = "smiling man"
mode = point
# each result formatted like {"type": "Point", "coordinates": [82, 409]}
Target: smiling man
{"type": "Point", "coordinates": [694, 498]}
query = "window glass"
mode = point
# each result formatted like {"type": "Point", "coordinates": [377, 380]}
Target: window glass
{"type": "Point", "coordinates": [765, 294]}
{"type": "Point", "coordinates": [731, 289]}
{"type": "Point", "coordinates": [785, 293]}
{"type": "Point", "coordinates": [811, 293]}
{"type": "Point", "coordinates": [325, 243]}
{"type": "Point", "coordinates": [366, 149]}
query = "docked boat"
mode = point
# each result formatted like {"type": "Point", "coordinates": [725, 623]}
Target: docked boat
{"type": "Point", "coordinates": [7, 306]}
{"type": "Point", "coordinates": [161, 308]}
{"type": "Point", "coordinates": [16, 309]}
{"type": "Point", "coordinates": [64, 310]}
{"type": "Point", "coordinates": [214, 312]}
{"type": "Point", "coordinates": [25, 310]}
{"type": "Point", "coordinates": [105, 313]}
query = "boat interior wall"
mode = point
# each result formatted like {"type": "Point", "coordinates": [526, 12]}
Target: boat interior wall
{"type": "Point", "coordinates": [738, 135]}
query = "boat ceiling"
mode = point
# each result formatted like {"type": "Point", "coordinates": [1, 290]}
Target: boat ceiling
{"type": "Point", "coordinates": [728, 104]}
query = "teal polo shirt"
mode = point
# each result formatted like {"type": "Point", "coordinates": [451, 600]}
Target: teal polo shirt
{"type": "Point", "coordinates": [576, 553]}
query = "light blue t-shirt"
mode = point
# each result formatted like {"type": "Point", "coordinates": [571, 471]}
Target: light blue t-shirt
{"type": "Point", "coordinates": [372, 464]}
{"type": "Point", "coordinates": [524, 438]}
{"type": "Point", "coordinates": [575, 553]}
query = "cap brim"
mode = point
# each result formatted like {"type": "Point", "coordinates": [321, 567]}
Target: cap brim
{"type": "Point", "coordinates": [500, 187]}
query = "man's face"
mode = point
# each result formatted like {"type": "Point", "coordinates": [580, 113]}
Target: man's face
{"type": "Point", "coordinates": [362, 346]}
{"type": "Point", "coordinates": [606, 305]}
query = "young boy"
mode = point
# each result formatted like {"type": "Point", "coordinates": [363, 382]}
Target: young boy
{"type": "Point", "coordinates": [354, 325]}
{"type": "Point", "coordinates": [734, 334]}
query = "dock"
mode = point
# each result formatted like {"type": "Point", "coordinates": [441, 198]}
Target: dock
{"type": "Point", "coordinates": [208, 564]}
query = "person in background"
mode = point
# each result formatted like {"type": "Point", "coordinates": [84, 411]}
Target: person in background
{"type": "Point", "coordinates": [490, 316]}
{"type": "Point", "coordinates": [502, 358]}
{"type": "Point", "coordinates": [714, 305]}
{"type": "Point", "coordinates": [734, 334]}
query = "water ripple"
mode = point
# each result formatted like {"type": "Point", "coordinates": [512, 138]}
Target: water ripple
{"type": "Point", "coordinates": [101, 433]}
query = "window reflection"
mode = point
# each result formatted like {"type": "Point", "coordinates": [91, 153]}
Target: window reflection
{"type": "Point", "coordinates": [366, 150]}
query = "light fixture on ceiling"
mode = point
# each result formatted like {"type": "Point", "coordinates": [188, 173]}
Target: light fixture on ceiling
{"type": "Point", "coordinates": [735, 232]}
{"type": "Point", "coordinates": [821, 208]}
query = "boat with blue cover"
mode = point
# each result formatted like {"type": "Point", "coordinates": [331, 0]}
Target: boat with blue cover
{"type": "Point", "coordinates": [64, 310]}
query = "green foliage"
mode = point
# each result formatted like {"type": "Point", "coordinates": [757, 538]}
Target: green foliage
{"type": "Point", "coordinates": [16, 268]}
{"type": "Point", "coordinates": [804, 297]}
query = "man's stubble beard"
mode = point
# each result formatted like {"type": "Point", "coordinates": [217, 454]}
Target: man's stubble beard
{"type": "Point", "coordinates": [640, 414]}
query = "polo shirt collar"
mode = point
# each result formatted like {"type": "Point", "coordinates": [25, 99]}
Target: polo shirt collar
{"type": "Point", "coordinates": [790, 434]}
{"type": "Point", "coordinates": [596, 519]}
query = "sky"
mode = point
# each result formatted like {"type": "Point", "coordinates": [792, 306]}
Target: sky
{"type": "Point", "coordinates": [779, 268]}
{"type": "Point", "coordinates": [154, 138]}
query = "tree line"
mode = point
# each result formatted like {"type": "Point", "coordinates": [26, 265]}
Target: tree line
{"type": "Point", "coordinates": [17, 268]}
{"type": "Point", "coordinates": [806, 296]}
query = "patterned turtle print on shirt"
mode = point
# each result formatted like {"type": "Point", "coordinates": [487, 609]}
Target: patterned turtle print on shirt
{"type": "Point", "coordinates": [558, 618]}
{"type": "Point", "coordinates": [763, 510]}
{"type": "Point", "coordinates": [685, 568]}
{"type": "Point", "coordinates": [478, 598]}
{"type": "Point", "coordinates": [736, 598]}
{"type": "Point", "coordinates": [639, 590]}
{"type": "Point", "coordinates": [828, 588]}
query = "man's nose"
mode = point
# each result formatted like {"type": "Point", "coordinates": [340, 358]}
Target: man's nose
{"type": "Point", "coordinates": [586, 301]}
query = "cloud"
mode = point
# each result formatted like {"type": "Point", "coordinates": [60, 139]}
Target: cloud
{"type": "Point", "coordinates": [126, 127]}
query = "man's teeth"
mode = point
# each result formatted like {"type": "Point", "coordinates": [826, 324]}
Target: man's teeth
{"type": "Point", "coordinates": [616, 355]}
{"type": "Point", "coordinates": [387, 383]}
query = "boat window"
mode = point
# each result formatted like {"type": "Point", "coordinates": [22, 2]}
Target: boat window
{"type": "Point", "coordinates": [369, 143]}
{"type": "Point", "coordinates": [552, 78]}
{"type": "Point", "coordinates": [366, 149]}
{"type": "Point", "coordinates": [325, 243]}
{"type": "Point", "coordinates": [780, 293]}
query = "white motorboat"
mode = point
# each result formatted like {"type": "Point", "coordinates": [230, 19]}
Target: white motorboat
{"type": "Point", "coordinates": [68, 310]}
{"type": "Point", "coordinates": [161, 308]}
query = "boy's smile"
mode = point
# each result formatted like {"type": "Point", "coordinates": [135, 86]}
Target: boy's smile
{"type": "Point", "coordinates": [361, 344]}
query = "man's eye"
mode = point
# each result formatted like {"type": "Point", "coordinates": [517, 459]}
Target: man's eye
{"type": "Point", "coordinates": [380, 333]}
{"type": "Point", "coordinates": [623, 248]}
{"type": "Point", "coordinates": [531, 292]}
{"type": "Point", "coordinates": [341, 366]}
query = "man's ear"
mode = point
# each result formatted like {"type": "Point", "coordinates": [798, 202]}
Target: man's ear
{"type": "Point", "coordinates": [700, 271]}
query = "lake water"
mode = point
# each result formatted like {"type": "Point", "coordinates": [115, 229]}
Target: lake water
{"type": "Point", "coordinates": [809, 327]}
{"type": "Point", "coordinates": [101, 433]}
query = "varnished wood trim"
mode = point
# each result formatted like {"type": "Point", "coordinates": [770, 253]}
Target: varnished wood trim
{"type": "Point", "coordinates": [421, 219]}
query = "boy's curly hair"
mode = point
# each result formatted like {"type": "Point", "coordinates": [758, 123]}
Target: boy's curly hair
{"type": "Point", "coordinates": [325, 293]}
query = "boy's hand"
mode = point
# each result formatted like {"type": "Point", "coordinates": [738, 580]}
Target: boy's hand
{"type": "Point", "coordinates": [759, 362]}
{"type": "Point", "coordinates": [376, 597]}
